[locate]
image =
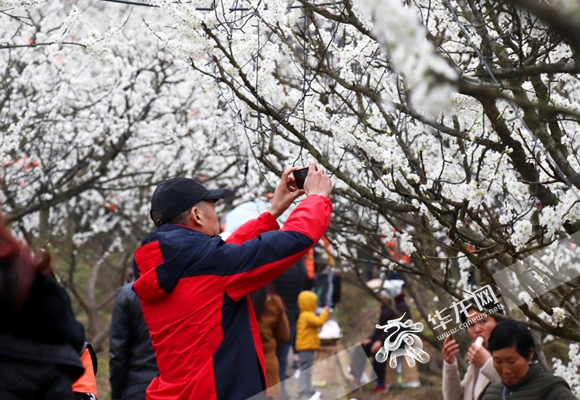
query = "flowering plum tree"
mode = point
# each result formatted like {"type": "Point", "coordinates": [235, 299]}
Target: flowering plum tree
{"type": "Point", "coordinates": [449, 125]}
{"type": "Point", "coordinates": [86, 130]}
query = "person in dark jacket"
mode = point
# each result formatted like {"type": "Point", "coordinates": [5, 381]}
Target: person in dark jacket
{"type": "Point", "coordinates": [289, 285]}
{"type": "Point", "coordinates": [194, 287]}
{"type": "Point", "coordinates": [132, 364]}
{"type": "Point", "coordinates": [40, 338]}
{"type": "Point", "coordinates": [512, 348]}
{"type": "Point", "coordinates": [374, 342]}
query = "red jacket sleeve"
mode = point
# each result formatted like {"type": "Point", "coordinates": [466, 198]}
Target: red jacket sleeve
{"type": "Point", "coordinates": [257, 262]}
{"type": "Point", "coordinates": [253, 228]}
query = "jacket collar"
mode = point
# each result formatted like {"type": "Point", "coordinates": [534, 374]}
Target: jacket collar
{"type": "Point", "coordinates": [532, 374]}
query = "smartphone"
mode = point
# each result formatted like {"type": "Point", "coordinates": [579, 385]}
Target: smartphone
{"type": "Point", "coordinates": [300, 176]}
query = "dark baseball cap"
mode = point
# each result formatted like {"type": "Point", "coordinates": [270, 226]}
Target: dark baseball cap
{"type": "Point", "coordinates": [176, 195]}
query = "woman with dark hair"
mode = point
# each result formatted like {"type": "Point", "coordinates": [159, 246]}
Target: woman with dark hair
{"type": "Point", "coordinates": [480, 372]}
{"type": "Point", "coordinates": [512, 347]}
{"type": "Point", "coordinates": [274, 330]}
{"type": "Point", "coordinates": [40, 339]}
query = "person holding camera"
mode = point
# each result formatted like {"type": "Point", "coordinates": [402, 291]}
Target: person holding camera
{"type": "Point", "coordinates": [194, 287]}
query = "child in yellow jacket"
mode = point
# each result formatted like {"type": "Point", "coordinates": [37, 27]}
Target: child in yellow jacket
{"type": "Point", "coordinates": [307, 341]}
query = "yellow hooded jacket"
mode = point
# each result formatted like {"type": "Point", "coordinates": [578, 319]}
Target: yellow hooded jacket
{"type": "Point", "coordinates": [308, 323]}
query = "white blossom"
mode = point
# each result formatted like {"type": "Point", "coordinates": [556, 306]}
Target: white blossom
{"type": "Point", "coordinates": [558, 316]}
{"type": "Point", "coordinates": [570, 372]}
{"type": "Point", "coordinates": [523, 231]}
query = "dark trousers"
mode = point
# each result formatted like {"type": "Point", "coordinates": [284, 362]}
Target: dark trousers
{"type": "Point", "coordinates": [359, 361]}
{"type": "Point", "coordinates": [135, 392]}
{"type": "Point", "coordinates": [282, 354]}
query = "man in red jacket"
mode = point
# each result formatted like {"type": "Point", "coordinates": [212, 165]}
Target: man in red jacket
{"type": "Point", "coordinates": [194, 287]}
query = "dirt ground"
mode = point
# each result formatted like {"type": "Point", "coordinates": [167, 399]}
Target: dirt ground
{"type": "Point", "coordinates": [430, 389]}
{"type": "Point", "coordinates": [358, 315]}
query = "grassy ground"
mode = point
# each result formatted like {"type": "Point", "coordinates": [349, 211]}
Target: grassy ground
{"type": "Point", "coordinates": [103, 376]}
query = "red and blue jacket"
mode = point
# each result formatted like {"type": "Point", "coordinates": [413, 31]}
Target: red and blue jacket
{"type": "Point", "coordinates": [194, 294]}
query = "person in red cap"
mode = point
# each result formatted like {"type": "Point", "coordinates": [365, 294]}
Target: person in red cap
{"type": "Point", "coordinates": [194, 287]}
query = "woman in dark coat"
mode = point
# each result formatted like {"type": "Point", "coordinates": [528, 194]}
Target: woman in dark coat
{"type": "Point", "coordinates": [511, 345]}
{"type": "Point", "coordinates": [40, 339]}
